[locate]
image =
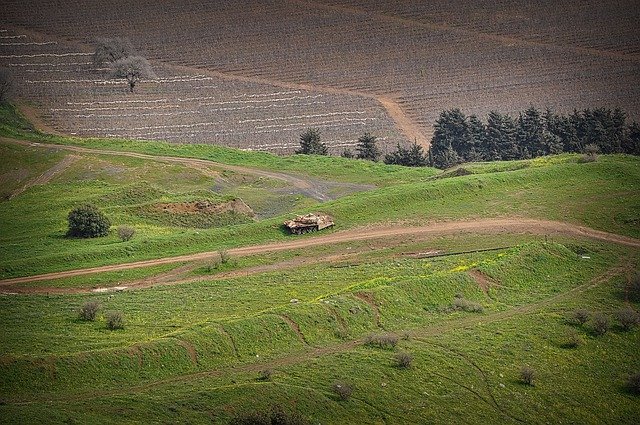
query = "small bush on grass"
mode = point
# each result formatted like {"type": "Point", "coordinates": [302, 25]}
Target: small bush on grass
{"type": "Point", "coordinates": [628, 318]}
{"type": "Point", "coordinates": [276, 416]}
{"type": "Point", "coordinates": [89, 311]}
{"type": "Point", "coordinates": [633, 383]}
{"type": "Point", "coordinates": [381, 341]}
{"type": "Point", "coordinates": [572, 339]}
{"type": "Point", "coordinates": [461, 304]}
{"type": "Point", "coordinates": [125, 233]}
{"type": "Point", "coordinates": [526, 375]}
{"type": "Point", "coordinates": [634, 288]}
{"type": "Point", "coordinates": [342, 389]}
{"type": "Point", "coordinates": [403, 360]}
{"type": "Point", "coordinates": [580, 316]}
{"type": "Point", "coordinates": [265, 375]}
{"type": "Point", "coordinates": [115, 320]}
{"type": "Point", "coordinates": [87, 221]}
{"type": "Point", "coordinates": [600, 324]}
{"type": "Point", "coordinates": [224, 256]}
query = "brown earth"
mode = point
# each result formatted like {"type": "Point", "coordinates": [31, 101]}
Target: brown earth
{"type": "Point", "coordinates": [206, 207]}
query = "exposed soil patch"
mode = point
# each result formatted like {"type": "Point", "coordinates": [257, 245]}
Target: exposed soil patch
{"type": "Point", "coordinates": [483, 281]}
{"type": "Point", "coordinates": [48, 175]}
{"type": "Point", "coordinates": [294, 327]}
{"type": "Point", "coordinates": [206, 207]}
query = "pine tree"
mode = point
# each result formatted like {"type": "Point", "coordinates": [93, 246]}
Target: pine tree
{"type": "Point", "coordinates": [530, 137]}
{"type": "Point", "coordinates": [411, 157]}
{"type": "Point", "coordinates": [366, 148]}
{"type": "Point", "coordinates": [310, 143]}
{"type": "Point", "coordinates": [632, 145]}
{"type": "Point", "coordinates": [451, 133]}
{"type": "Point", "coordinates": [478, 132]}
{"type": "Point", "coordinates": [501, 137]}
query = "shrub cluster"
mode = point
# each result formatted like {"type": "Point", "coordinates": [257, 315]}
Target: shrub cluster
{"type": "Point", "coordinates": [125, 233]}
{"type": "Point", "coordinates": [115, 320]}
{"type": "Point", "coordinates": [275, 416]}
{"type": "Point", "coordinates": [633, 383]}
{"type": "Point", "coordinates": [462, 304]}
{"type": "Point", "coordinates": [381, 340]}
{"type": "Point", "coordinates": [526, 375]}
{"type": "Point", "coordinates": [628, 318]}
{"type": "Point", "coordinates": [403, 359]}
{"type": "Point", "coordinates": [342, 389]}
{"type": "Point", "coordinates": [87, 221]}
{"type": "Point", "coordinates": [89, 311]}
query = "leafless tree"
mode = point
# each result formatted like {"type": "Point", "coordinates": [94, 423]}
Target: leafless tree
{"type": "Point", "coordinates": [133, 69]}
{"type": "Point", "coordinates": [109, 50]}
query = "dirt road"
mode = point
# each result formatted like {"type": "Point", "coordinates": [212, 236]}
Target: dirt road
{"type": "Point", "coordinates": [483, 226]}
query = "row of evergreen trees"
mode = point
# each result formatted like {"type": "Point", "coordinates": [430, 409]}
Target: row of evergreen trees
{"type": "Point", "coordinates": [458, 138]}
{"type": "Point", "coordinates": [366, 148]}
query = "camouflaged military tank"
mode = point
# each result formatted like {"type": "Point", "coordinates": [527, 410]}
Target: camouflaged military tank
{"type": "Point", "coordinates": [308, 223]}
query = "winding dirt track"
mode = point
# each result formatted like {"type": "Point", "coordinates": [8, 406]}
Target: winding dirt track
{"type": "Point", "coordinates": [496, 225]}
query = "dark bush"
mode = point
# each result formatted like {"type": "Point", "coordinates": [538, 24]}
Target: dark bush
{"type": "Point", "coordinates": [89, 310]}
{"type": "Point", "coordinates": [526, 375]}
{"type": "Point", "coordinates": [87, 221]}
{"type": "Point", "coordinates": [634, 288]}
{"type": "Point", "coordinates": [580, 316]}
{"type": "Point", "coordinates": [627, 317]}
{"type": "Point", "coordinates": [125, 233]}
{"type": "Point", "coordinates": [342, 390]}
{"type": "Point", "coordinates": [461, 304]}
{"type": "Point", "coordinates": [115, 320]}
{"type": "Point", "coordinates": [276, 416]}
{"type": "Point", "coordinates": [381, 341]}
{"type": "Point", "coordinates": [600, 324]}
{"type": "Point", "coordinates": [633, 383]}
{"type": "Point", "coordinates": [403, 359]}
{"type": "Point", "coordinates": [265, 375]}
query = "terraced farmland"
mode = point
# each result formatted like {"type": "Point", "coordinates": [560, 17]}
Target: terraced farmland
{"type": "Point", "coordinates": [412, 58]}
{"type": "Point", "coordinates": [185, 105]}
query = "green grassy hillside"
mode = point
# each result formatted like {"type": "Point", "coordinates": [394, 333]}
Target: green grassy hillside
{"type": "Point", "coordinates": [470, 309]}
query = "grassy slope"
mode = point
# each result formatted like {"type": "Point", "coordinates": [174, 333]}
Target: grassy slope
{"type": "Point", "coordinates": [602, 195]}
{"type": "Point", "coordinates": [465, 364]}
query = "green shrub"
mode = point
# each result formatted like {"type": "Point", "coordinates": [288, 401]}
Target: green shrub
{"type": "Point", "coordinates": [403, 359]}
{"type": "Point", "coordinates": [633, 383]}
{"type": "Point", "coordinates": [125, 233]}
{"type": "Point", "coordinates": [580, 316]}
{"type": "Point", "coordinates": [526, 375]}
{"type": "Point", "coordinates": [600, 324]}
{"type": "Point", "coordinates": [461, 304]}
{"type": "Point", "coordinates": [343, 390]}
{"type": "Point", "coordinates": [115, 320]}
{"type": "Point", "coordinates": [265, 375]}
{"type": "Point", "coordinates": [627, 317]}
{"type": "Point", "coordinates": [89, 311]}
{"type": "Point", "coordinates": [572, 339]}
{"type": "Point", "coordinates": [634, 288]}
{"type": "Point", "coordinates": [381, 340]}
{"type": "Point", "coordinates": [87, 221]}
{"type": "Point", "coordinates": [276, 416]}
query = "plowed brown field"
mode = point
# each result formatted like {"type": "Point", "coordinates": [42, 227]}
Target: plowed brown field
{"type": "Point", "coordinates": [254, 74]}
